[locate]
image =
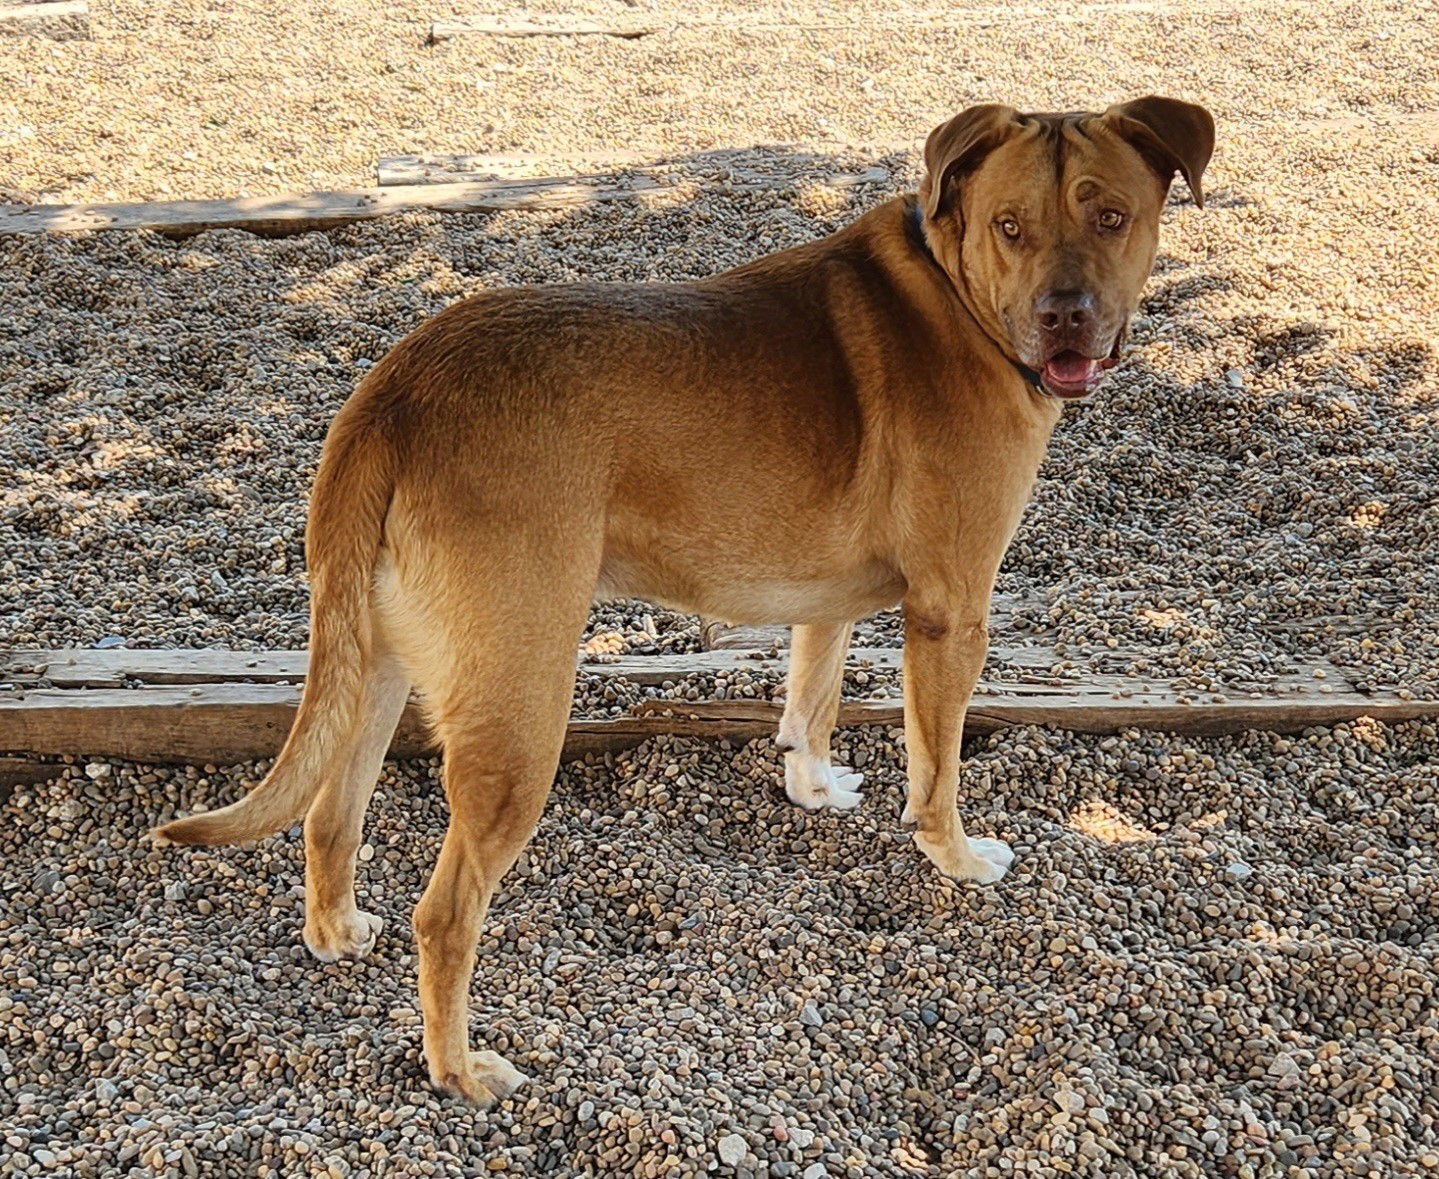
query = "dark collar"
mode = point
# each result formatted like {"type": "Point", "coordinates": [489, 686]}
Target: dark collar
{"type": "Point", "coordinates": [914, 223]}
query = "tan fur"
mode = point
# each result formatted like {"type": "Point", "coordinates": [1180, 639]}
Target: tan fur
{"type": "Point", "coordinates": [805, 439]}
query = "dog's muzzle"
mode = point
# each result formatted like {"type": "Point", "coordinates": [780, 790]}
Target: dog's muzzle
{"type": "Point", "coordinates": [1071, 375]}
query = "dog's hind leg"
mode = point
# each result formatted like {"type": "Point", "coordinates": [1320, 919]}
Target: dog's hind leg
{"type": "Point", "coordinates": [499, 688]}
{"type": "Point", "coordinates": [816, 673]}
{"type": "Point", "coordinates": [502, 747]}
{"type": "Point", "coordinates": [334, 926]}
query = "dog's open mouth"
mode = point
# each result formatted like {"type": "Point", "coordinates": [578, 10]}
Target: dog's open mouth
{"type": "Point", "coordinates": [1072, 375]}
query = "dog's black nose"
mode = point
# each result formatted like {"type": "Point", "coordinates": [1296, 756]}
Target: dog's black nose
{"type": "Point", "coordinates": [1064, 311]}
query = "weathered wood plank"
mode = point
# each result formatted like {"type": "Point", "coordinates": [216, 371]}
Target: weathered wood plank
{"type": "Point", "coordinates": [226, 723]}
{"type": "Point", "coordinates": [118, 667]}
{"type": "Point", "coordinates": [277, 215]}
{"type": "Point", "coordinates": [732, 169]}
{"type": "Point", "coordinates": [445, 30]}
{"type": "Point", "coordinates": [210, 723]}
{"type": "Point", "coordinates": [450, 167]}
{"type": "Point", "coordinates": [23, 771]}
{"type": "Point", "coordinates": [114, 668]}
{"type": "Point", "coordinates": [59, 20]}
{"type": "Point", "coordinates": [1030, 666]}
{"type": "Point", "coordinates": [1089, 713]}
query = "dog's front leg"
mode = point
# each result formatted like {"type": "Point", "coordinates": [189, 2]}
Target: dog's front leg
{"type": "Point", "coordinates": [816, 673]}
{"type": "Point", "coordinates": [945, 642]}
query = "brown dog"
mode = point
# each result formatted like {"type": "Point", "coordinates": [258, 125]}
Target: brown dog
{"type": "Point", "coordinates": [805, 439]}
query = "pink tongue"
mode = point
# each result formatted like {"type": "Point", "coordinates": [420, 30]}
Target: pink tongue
{"type": "Point", "coordinates": [1070, 368]}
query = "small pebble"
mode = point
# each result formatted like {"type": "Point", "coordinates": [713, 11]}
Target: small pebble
{"type": "Point", "coordinates": [732, 1149]}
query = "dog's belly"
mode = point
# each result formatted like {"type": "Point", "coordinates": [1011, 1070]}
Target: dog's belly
{"type": "Point", "coordinates": [742, 596]}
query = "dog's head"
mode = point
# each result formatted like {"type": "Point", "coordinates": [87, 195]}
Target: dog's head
{"type": "Point", "coordinates": [1048, 224]}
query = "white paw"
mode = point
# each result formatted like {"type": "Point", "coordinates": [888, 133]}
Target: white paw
{"type": "Point", "coordinates": [994, 850]}
{"type": "Point", "coordinates": [812, 783]}
{"type": "Point", "coordinates": [331, 937]}
{"type": "Point", "coordinates": [982, 861]}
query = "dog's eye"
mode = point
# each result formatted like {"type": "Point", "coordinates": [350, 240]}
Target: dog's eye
{"type": "Point", "coordinates": [1111, 219]}
{"type": "Point", "coordinates": [1009, 227]}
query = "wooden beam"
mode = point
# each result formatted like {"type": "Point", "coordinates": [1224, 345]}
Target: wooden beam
{"type": "Point", "coordinates": [120, 667]}
{"type": "Point", "coordinates": [727, 169]}
{"type": "Point", "coordinates": [277, 215]}
{"type": "Point", "coordinates": [60, 20]}
{"type": "Point", "coordinates": [117, 668]}
{"type": "Point", "coordinates": [25, 771]}
{"type": "Point", "coordinates": [449, 167]}
{"type": "Point", "coordinates": [1084, 712]}
{"type": "Point", "coordinates": [169, 719]}
{"type": "Point", "coordinates": [218, 723]}
{"type": "Point", "coordinates": [445, 30]}
{"type": "Point", "coordinates": [222, 724]}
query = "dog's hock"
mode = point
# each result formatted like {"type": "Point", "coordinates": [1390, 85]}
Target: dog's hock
{"type": "Point", "coordinates": [812, 783]}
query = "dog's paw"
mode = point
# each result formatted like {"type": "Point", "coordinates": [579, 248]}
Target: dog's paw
{"type": "Point", "coordinates": [812, 783]}
{"type": "Point", "coordinates": [486, 1079]}
{"type": "Point", "coordinates": [994, 850]}
{"type": "Point", "coordinates": [331, 936]}
{"type": "Point", "coordinates": [982, 861]}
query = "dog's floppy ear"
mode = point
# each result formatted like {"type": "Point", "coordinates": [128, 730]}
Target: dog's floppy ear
{"type": "Point", "coordinates": [1172, 136]}
{"type": "Point", "coordinates": [958, 146]}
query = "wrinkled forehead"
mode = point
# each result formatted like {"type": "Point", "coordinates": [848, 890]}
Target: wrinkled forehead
{"type": "Point", "coordinates": [1054, 159]}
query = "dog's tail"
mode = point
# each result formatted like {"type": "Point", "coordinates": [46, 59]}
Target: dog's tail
{"type": "Point", "coordinates": [352, 495]}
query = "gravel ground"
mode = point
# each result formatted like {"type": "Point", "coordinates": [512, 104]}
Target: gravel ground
{"type": "Point", "coordinates": [1255, 489]}
{"type": "Point", "coordinates": [1213, 957]}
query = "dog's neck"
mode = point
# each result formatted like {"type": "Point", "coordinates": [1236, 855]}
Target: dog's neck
{"type": "Point", "coordinates": [915, 224]}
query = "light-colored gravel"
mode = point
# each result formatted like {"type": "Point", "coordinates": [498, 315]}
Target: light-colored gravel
{"type": "Point", "coordinates": [193, 99]}
{"type": "Point", "coordinates": [1212, 957]}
